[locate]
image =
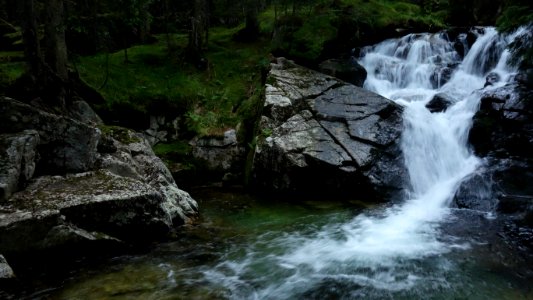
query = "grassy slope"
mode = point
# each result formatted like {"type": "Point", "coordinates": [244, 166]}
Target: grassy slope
{"type": "Point", "coordinates": [213, 99]}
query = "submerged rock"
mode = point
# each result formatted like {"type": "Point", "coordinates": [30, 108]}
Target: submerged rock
{"type": "Point", "coordinates": [322, 136]}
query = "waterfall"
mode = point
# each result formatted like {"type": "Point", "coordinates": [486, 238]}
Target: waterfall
{"type": "Point", "coordinates": [383, 249]}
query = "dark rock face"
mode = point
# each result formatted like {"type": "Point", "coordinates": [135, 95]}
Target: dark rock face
{"type": "Point", "coordinates": [323, 136]}
{"type": "Point", "coordinates": [440, 103]}
{"type": "Point", "coordinates": [65, 145]}
{"type": "Point", "coordinates": [502, 132]}
{"type": "Point", "coordinates": [348, 70]}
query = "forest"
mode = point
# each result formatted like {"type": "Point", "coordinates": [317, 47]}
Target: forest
{"type": "Point", "coordinates": [204, 59]}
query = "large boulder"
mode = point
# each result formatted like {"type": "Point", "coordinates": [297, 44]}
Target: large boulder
{"type": "Point", "coordinates": [323, 136]}
{"type": "Point", "coordinates": [99, 186]}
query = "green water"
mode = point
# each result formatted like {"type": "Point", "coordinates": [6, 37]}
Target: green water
{"type": "Point", "coordinates": [234, 253]}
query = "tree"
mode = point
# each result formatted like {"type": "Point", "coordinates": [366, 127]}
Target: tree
{"type": "Point", "coordinates": [199, 18]}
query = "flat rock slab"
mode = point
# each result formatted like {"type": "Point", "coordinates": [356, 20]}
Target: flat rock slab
{"type": "Point", "coordinates": [94, 201]}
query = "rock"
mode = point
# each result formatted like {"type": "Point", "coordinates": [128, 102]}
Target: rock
{"type": "Point", "coordinates": [476, 193]}
{"type": "Point", "coordinates": [65, 145]}
{"type": "Point", "coordinates": [162, 130]}
{"type": "Point", "coordinates": [125, 192]}
{"type": "Point", "coordinates": [502, 133]}
{"type": "Point", "coordinates": [135, 159]}
{"type": "Point", "coordinates": [322, 136]}
{"type": "Point", "coordinates": [220, 154]}
{"type": "Point", "coordinates": [95, 201]}
{"type": "Point", "coordinates": [440, 103]}
{"type": "Point", "coordinates": [82, 111]}
{"type": "Point", "coordinates": [492, 78]}
{"type": "Point", "coordinates": [69, 235]}
{"type": "Point", "coordinates": [348, 70]}
{"type": "Point", "coordinates": [503, 125]}
{"type": "Point", "coordinates": [441, 76]}
{"type": "Point", "coordinates": [17, 160]}
{"type": "Point", "coordinates": [6, 272]}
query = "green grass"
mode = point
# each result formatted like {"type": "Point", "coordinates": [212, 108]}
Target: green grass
{"type": "Point", "coordinates": [10, 67]}
{"type": "Point", "coordinates": [211, 100]}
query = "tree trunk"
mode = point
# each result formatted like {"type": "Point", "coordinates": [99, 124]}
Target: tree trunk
{"type": "Point", "coordinates": [56, 57]}
{"type": "Point", "coordinates": [56, 47]}
{"type": "Point", "coordinates": [197, 30]}
{"type": "Point", "coordinates": [252, 23]}
{"type": "Point", "coordinates": [32, 49]}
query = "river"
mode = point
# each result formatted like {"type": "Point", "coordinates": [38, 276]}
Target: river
{"type": "Point", "coordinates": [417, 248]}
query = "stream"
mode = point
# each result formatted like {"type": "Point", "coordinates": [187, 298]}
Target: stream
{"type": "Point", "coordinates": [417, 248]}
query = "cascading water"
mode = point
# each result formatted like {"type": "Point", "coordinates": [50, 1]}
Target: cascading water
{"type": "Point", "coordinates": [393, 252]}
{"type": "Point", "coordinates": [381, 251]}
{"type": "Point", "coordinates": [378, 252]}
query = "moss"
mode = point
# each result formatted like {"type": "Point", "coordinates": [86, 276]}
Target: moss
{"type": "Point", "coordinates": [178, 148]}
{"type": "Point", "coordinates": [120, 134]}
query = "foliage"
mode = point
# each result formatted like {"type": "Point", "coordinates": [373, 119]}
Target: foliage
{"type": "Point", "coordinates": [306, 33]}
{"type": "Point", "coordinates": [515, 14]}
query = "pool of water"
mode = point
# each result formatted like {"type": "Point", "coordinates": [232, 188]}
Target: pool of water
{"type": "Point", "coordinates": [249, 248]}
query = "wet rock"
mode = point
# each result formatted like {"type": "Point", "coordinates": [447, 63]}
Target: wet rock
{"type": "Point", "coordinates": [440, 103]}
{"type": "Point", "coordinates": [502, 133]}
{"type": "Point", "coordinates": [503, 125]}
{"type": "Point", "coordinates": [348, 70]}
{"type": "Point", "coordinates": [135, 159]}
{"type": "Point", "coordinates": [6, 273]}
{"type": "Point", "coordinates": [492, 78]}
{"type": "Point", "coordinates": [441, 76]}
{"type": "Point", "coordinates": [17, 160]}
{"type": "Point", "coordinates": [475, 193]}
{"type": "Point", "coordinates": [324, 136]}
{"type": "Point", "coordinates": [65, 145]}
